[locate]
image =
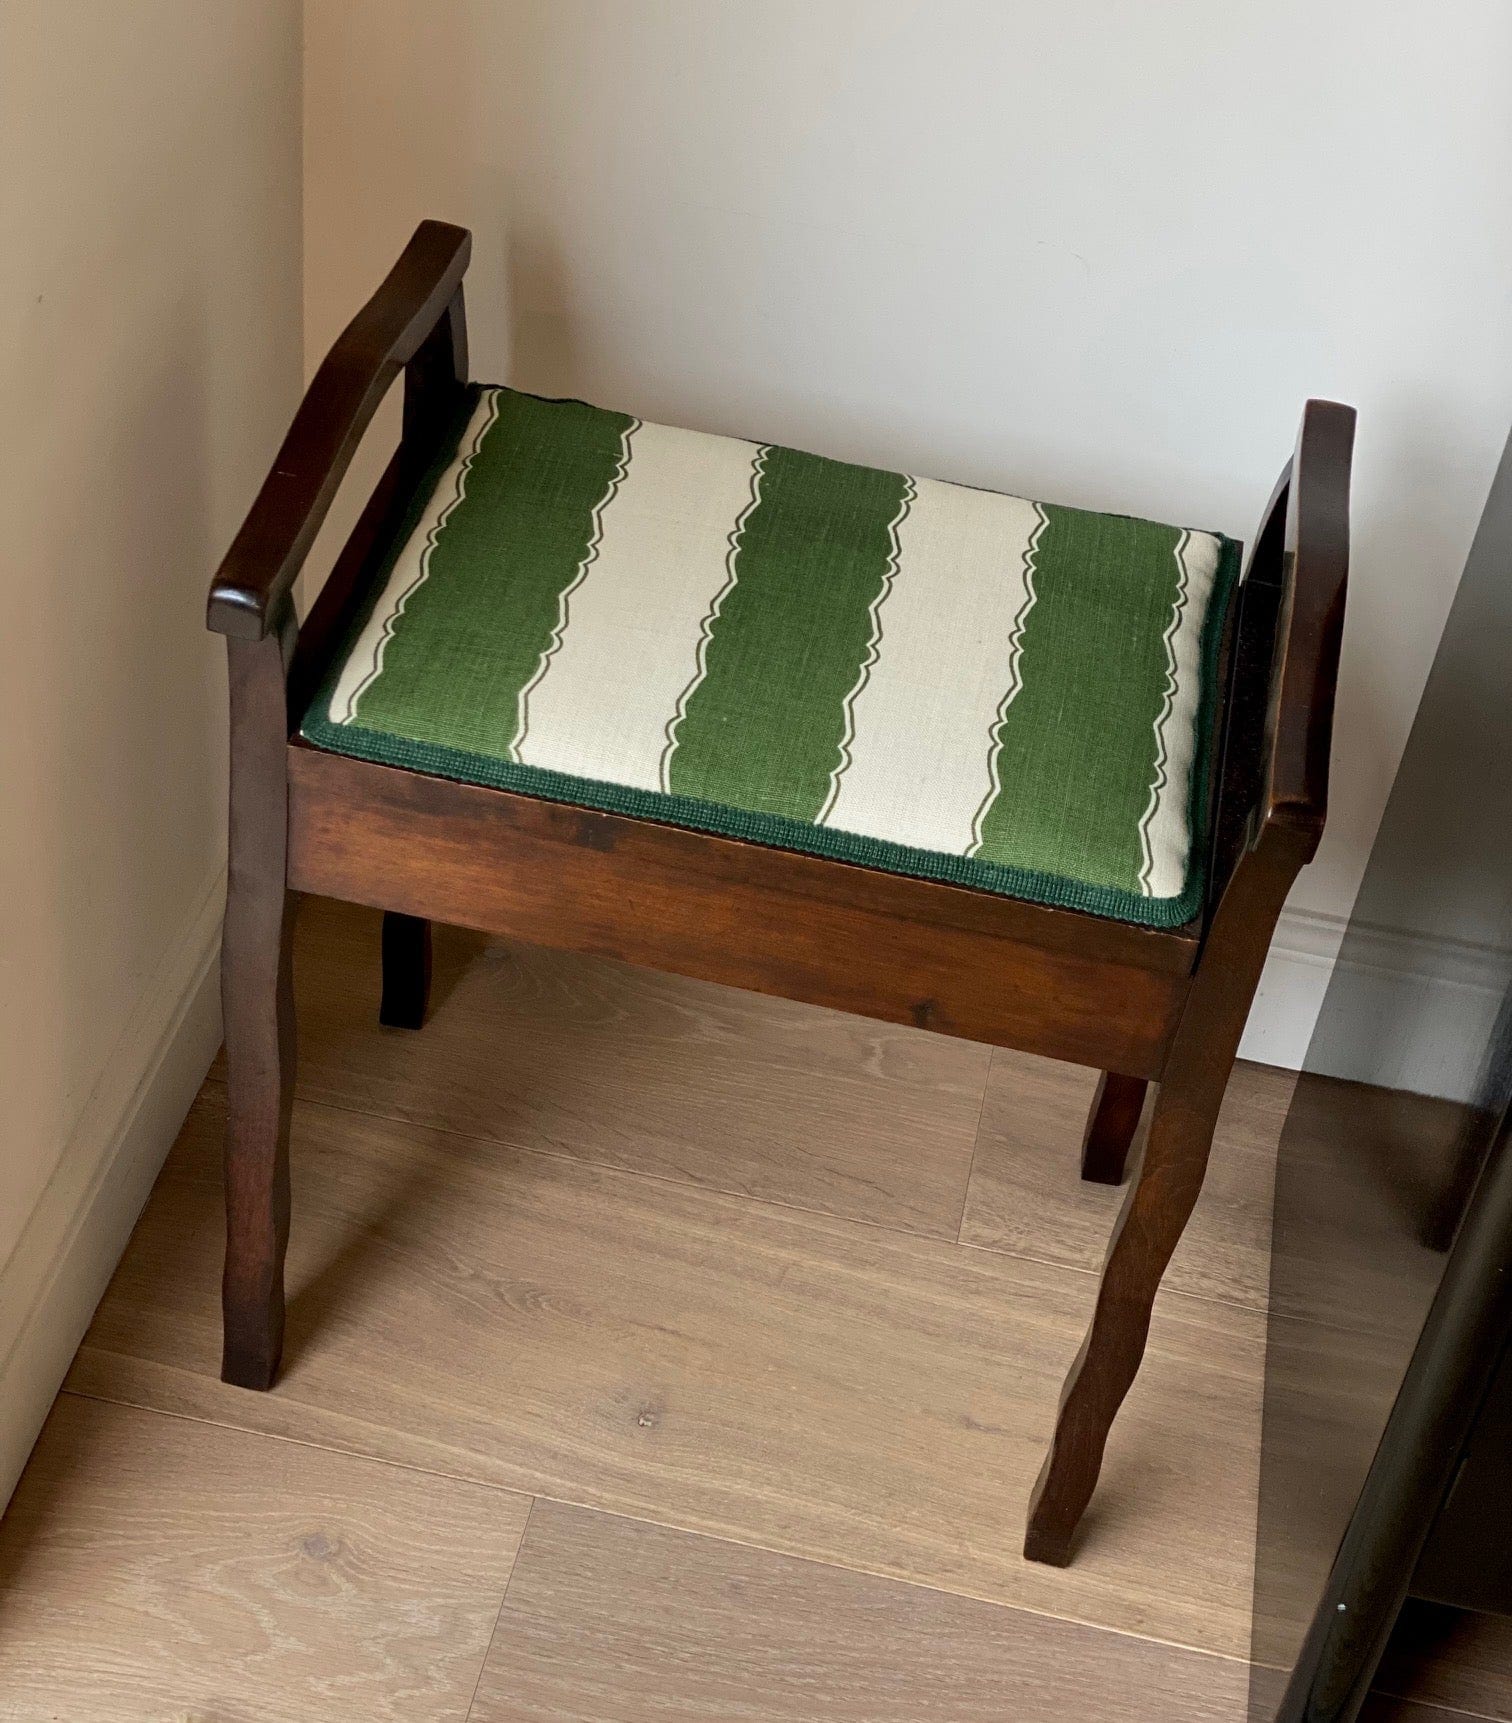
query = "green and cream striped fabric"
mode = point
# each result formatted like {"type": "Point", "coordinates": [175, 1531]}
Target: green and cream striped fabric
{"type": "Point", "coordinates": [892, 671]}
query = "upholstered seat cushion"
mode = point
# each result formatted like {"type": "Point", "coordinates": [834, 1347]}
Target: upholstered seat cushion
{"type": "Point", "coordinates": [892, 671]}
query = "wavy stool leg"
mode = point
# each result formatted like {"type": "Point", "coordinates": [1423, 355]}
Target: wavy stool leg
{"type": "Point", "coordinates": [1154, 1215]}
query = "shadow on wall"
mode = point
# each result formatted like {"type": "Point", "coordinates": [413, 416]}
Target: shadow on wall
{"type": "Point", "coordinates": [1416, 1013]}
{"type": "Point", "coordinates": [120, 750]}
{"type": "Point", "coordinates": [544, 339]}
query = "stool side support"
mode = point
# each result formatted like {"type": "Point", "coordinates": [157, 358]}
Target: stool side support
{"type": "Point", "coordinates": [394, 333]}
{"type": "Point", "coordinates": [414, 327]}
{"type": "Point", "coordinates": [1272, 805]}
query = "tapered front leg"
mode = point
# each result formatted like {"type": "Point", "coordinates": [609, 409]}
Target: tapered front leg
{"type": "Point", "coordinates": [1154, 1214]}
{"type": "Point", "coordinates": [406, 971]}
{"type": "Point", "coordinates": [258, 1005]}
{"type": "Point", "coordinates": [1111, 1126]}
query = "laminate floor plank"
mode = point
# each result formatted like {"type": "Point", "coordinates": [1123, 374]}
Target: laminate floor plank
{"type": "Point", "coordinates": [1386, 1708]}
{"type": "Point", "coordinates": [1020, 1200]}
{"type": "Point", "coordinates": [679, 1262]}
{"type": "Point", "coordinates": [823, 1389]}
{"type": "Point", "coordinates": [153, 1568]}
{"type": "Point", "coordinates": [611, 1620]}
{"type": "Point", "coordinates": [1452, 1658]}
{"type": "Point", "coordinates": [654, 1073]}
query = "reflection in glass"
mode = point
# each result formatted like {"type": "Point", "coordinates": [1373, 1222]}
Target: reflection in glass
{"type": "Point", "coordinates": [1405, 1081]}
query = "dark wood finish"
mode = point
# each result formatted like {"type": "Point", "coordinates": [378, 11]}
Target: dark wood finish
{"type": "Point", "coordinates": [710, 907]}
{"type": "Point", "coordinates": [397, 327]}
{"type": "Point", "coordinates": [1314, 571]}
{"type": "Point", "coordinates": [1139, 1004]}
{"type": "Point", "coordinates": [414, 326]}
{"type": "Point", "coordinates": [1111, 1125]}
{"type": "Point", "coordinates": [1159, 1202]}
{"type": "Point", "coordinates": [257, 1002]}
{"type": "Point", "coordinates": [406, 971]}
{"type": "Point", "coordinates": [1291, 608]}
{"type": "Point", "coordinates": [386, 796]}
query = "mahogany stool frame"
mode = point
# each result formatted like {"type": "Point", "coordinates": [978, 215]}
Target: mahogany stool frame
{"type": "Point", "coordinates": [1141, 1005]}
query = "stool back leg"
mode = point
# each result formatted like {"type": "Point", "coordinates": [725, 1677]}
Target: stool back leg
{"type": "Point", "coordinates": [1111, 1126]}
{"type": "Point", "coordinates": [406, 971]}
{"type": "Point", "coordinates": [258, 1005]}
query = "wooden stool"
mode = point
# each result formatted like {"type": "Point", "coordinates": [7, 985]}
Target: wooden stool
{"type": "Point", "coordinates": [1009, 771]}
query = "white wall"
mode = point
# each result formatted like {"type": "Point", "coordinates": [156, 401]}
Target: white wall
{"type": "Point", "coordinates": [149, 358]}
{"type": "Point", "coordinates": [1092, 250]}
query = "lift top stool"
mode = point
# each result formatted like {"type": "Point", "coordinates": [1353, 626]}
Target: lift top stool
{"type": "Point", "coordinates": [998, 768]}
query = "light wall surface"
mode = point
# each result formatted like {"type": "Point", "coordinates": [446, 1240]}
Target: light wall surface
{"type": "Point", "coordinates": [1098, 253]}
{"type": "Point", "coordinates": [149, 360]}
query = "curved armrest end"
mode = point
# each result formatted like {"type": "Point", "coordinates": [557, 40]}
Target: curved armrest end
{"type": "Point", "coordinates": [1307, 668]}
{"type": "Point", "coordinates": [386, 334]}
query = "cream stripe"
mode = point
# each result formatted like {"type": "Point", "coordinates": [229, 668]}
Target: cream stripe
{"type": "Point", "coordinates": [632, 642]}
{"type": "Point", "coordinates": [948, 649]}
{"type": "Point", "coordinates": [706, 623]}
{"type": "Point", "coordinates": [365, 662]}
{"type": "Point", "coordinates": [1164, 830]}
{"type": "Point", "coordinates": [520, 750]}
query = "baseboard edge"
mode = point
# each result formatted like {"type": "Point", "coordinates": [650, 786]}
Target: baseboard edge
{"type": "Point", "coordinates": [75, 1235]}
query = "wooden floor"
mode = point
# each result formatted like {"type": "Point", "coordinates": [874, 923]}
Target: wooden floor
{"type": "Point", "coordinates": [656, 1352]}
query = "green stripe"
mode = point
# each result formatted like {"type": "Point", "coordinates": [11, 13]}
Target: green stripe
{"type": "Point", "coordinates": [763, 728]}
{"type": "Point", "coordinates": [512, 546]}
{"type": "Point", "coordinates": [1076, 747]}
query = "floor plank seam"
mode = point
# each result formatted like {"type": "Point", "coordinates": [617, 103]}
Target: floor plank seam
{"type": "Point", "coordinates": [1166, 1292]}
{"type": "Point", "coordinates": [538, 1496]}
{"type": "Point", "coordinates": [493, 1632]}
{"type": "Point", "coordinates": [774, 1204]}
{"type": "Point", "coordinates": [1450, 1712]}
{"type": "Point", "coordinates": [346, 1453]}
{"type": "Point", "coordinates": [899, 1579]}
{"type": "Point", "coordinates": [976, 1138]}
{"type": "Point", "coordinates": [562, 1157]}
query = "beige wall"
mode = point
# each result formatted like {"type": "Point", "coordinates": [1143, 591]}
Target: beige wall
{"type": "Point", "coordinates": [1099, 253]}
{"type": "Point", "coordinates": [149, 355]}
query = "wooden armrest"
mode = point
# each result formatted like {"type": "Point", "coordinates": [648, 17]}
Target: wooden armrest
{"type": "Point", "coordinates": [1315, 567]}
{"type": "Point", "coordinates": [385, 336]}
{"type": "Point", "coordinates": [1284, 658]}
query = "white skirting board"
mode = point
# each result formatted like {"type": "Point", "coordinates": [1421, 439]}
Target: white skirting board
{"type": "Point", "coordinates": [1406, 1011]}
{"type": "Point", "coordinates": [64, 1260]}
